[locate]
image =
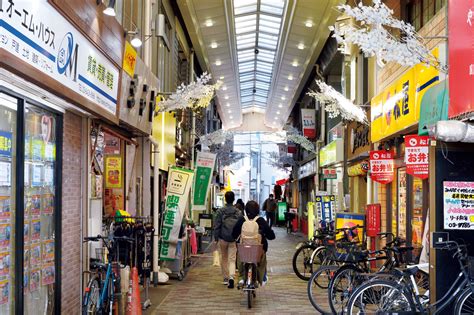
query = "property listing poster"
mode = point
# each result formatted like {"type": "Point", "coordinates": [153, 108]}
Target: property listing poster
{"type": "Point", "coordinates": [458, 199]}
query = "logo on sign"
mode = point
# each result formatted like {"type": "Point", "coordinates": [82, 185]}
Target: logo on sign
{"type": "Point", "coordinates": [413, 142]}
{"type": "Point", "coordinates": [67, 56]}
{"type": "Point", "coordinates": [376, 156]}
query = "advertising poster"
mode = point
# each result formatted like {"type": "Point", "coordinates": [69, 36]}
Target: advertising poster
{"type": "Point", "coordinates": [35, 278]}
{"type": "Point", "coordinates": [35, 229]}
{"type": "Point", "coordinates": [35, 254]}
{"type": "Point", "coordinates": [179, 185]}
{"type": "Point", "coordinates": [5, 174]}
{"type": "Point", "coordinates": [48, 250]}
{"type": "Point", "coordinates": [5, 261]}
{"type": "Point", "coordinates": [308, 117]}
{"type": "Point", "coordinates": [26, 255]}
{"type": "Point", "coordinates": [5, 235]}
{"type": "Point", "coordinates": [4, 291]}
{"type": "Point", "coordinates": [204, 167]}
{"type": "Point", "coordinates": [347, 220]}
{"type": "Point", "coordinates": [26, 281]}
{"type": "Point", "coordinates": [372, 221]}
{"type": "Point", "coordinates": [325, 206]}
{"type": "Point", "coordinates": [26, 232]}
{"type": "Point", "coordinates": [33, 205]}
{"type": "Point", "coordinates": [5, 209]}
{"type": "Point", "coordinates": [47, 274]}
{"type": "Point", "coordinates": [36, 179]}
{"type": "Point", "coordinates": [381, 166]}
{"type": "Point", "coordinates": [5, 143]}
{"type": "Point", "coordinates": [113, 172]}
{"type": "Point", "coordinates": [48, 204]}
{"type": "Point", "coordinates": [458, 205]}
{"type": "Point", "coordinates": [416, 155]}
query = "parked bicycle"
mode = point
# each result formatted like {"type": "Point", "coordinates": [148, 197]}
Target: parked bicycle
{"type": "Point", "coordinates": [400, 293]}
{"type": "Point", "coordinates": [104, 284]}
{"type": "Point", "coordinates": [250, 256]}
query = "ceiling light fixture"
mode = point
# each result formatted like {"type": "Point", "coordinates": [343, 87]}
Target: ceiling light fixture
{"type": "Point", "coordinates": [231, 117]}
{"type": "Point", "coordinates": [300, 46]}
{"type": "Point", "coordinates": [218, 62]}
{"type": "Point", "coordinates": [278, 112]}
{"type": "Point", "coordinates": [228, 105]}
{"type": "Point", "coordinates": [136, 40]}
{"type": "Point", "coordinates": [308, 23]}
{"type": "Point", "coordinates": [224, 88]}
{"type": "Point", "coordinates": [295, 63]}
{"type": "Point", "coordinates": [221, 77]}
{"type": "Point", "coordinates": [209, 23]}
{"type": "Point", "coordinates": [290, 77]}
{"type": "Point", "coordinates": [213, 45]}
{"type": "Point", "coordinates": [226, 97]}
{"type": "Point", "coordinates": [280, 106]}
{"type": "Point", "coordinates": [286, 88]}
{"type": "Point", "coordinates": [276, 118]}
{"type": "Point", "coordinates": [283, 98]}
{"type": "Point", "coordinates": [110, 10]}
{"type": "Point", "coordinates": [229, 111]}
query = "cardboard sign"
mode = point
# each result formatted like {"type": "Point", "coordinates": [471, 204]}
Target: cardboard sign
{"type": "Point", "coordinates": [372, 221]}
{"type": "Point", "coordinates": [416, 155]}
{"type": "Point", "coordinates": [458, 200]}
{"type": "Point", "coordinates": [381, 166]}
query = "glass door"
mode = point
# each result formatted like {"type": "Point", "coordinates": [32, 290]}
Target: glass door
{"type": "Point", "coordinates": [39, 214]}
{"type": "Point", "coordinates": [402, 203]}
{"type": "Point", "coordinates": [8, 141]}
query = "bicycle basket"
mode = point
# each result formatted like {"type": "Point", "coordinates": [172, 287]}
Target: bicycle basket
{"type": "Point", "coordinates": [470, 266]}
{"type": "Point", "coordinates": [250, 253]}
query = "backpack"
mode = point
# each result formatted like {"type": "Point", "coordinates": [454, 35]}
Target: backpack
{"type": "Point", "coordinates": [228, 222]}
{"type": "Point", "coordinates": [250, 234]}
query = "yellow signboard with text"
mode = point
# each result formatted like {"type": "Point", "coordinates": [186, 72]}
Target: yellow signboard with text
{"type": "Point", "coordinates": [398, 106]}
{"type": "Point", "coordinates": [164, 132]}
{"type": "Point", "coordinates": [129, 59]}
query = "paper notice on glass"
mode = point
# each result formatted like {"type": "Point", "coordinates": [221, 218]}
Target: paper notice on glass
{"type": "Point", "coordinates": [48, 175]}
{"type": "Point", "coordinates": [5, 174]}
{"type": "Point", "coordinates": [37, 175]}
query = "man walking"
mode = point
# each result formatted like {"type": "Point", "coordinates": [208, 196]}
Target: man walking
{"type": "Point", "coordinates": [270, 206]}
{"type": "Point", "coordinates": [226, 218]}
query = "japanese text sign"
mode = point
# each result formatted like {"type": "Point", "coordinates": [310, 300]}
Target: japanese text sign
{"type": "Point", "coordinates": [204, 168]}
{"type": "Point", "coordinates": [113, 172]}
{"type": "Point", "coordinates": [129, 59]}
{"type": "Point", "coordinates": [179, 184]}
{"type": "Point", "coordinates": [36, 33]}
{"type": "Point", "coordinates": [461, 57]}
{"type": "Point", "coordinates": [325, 208]}
{"type": "Point", "coordinates": [458, 206]}
{"type": "Point", "coordinates": [329, 173]}
{"type": "Point", "coordinates": [308, 117]}
{"type": "Point", "coordinates": [372, 219]}
{"type": "Point", "coordinates": [381, 166]}
{"type": "Point", "coordinates": [416, 155]}
{"type": "Point", "coordinates": [5, 143]}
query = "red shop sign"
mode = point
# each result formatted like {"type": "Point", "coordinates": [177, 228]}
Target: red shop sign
{"type": "Point", "coordinates": [416, 155]}
{"type": "Point", "coordinates": [381, 166]}
{"type": "Point", "coordinates": [461, 57]}
{"type": "Point", "coordinates": [372, 219]}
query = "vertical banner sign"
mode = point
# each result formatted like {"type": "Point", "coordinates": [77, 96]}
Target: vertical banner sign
{"type": "Point", "coordinates": [325, 208]}
{"type": "Point", "coordinates": [36, 33]}
{"type": "Point", "coordinates": [129, 59]}
{"type": "Point", "coordinates": [308, 117]}
{"type": "Point", "coordinates": [461, 57]}
{"type": "Point", "coordinates": [281, 211]}
{"type": "Point", "coordinates": [372, 220]}
{"type": "Point", "coordinates": [458, 205]}
{"type": "Point", "coordinates": [381, 166]}
{"type": "Point", "coordinates": [204, 167]}
{"type": "Point", "coordinates": [113, 172]}
{"type": "Point", "coordinates": [179, 184]}
{"type": "Point", "coordinates": [416, 155]}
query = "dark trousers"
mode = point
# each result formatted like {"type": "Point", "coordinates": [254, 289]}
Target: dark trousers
{"type": "Point", "coordinates": [271, 218]}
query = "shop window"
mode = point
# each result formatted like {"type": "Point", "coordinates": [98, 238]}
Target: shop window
{"type": "Point", "coordinates": [417, 219]}
{"type": "Point", "coordinates": [402, 203]}
{"type": "Point", "coordinates": [420, 12]}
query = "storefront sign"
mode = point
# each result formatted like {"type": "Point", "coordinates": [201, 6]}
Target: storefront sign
{"type": "Point", "coordinates": [308, 116]}
{"type": "Point", "coordinates": [325, 207]}
{"type": "Point", "coordinates": [281, 211]}
{"type": "Point", "coordinates": [461, 57]}
{"type": "Point", "coordinates": [332, 153]}
{"type": "Point", "coordinates": [359, 169]}
{"type": "Point", "coordinates": [347, 220]}
{"type": "Point", "coordinates": [398, 106]}
{"type": "Point", "coordinates": [458, 205]}
{"type": "Point", "coordinates": [129, 59]}
{"type": "Point", "coordinates": [416, 155]}
{"type": "Point", "coordinates": [179, 184]}
{"type": "Point", "coordinates": [291, 147]}
{"type": "Point", "coordinates": [113, 172]}
{"type": "Point", "coordinates": [434, 107]}
{"type": "Point", "coordinates": [372, 221]}
{"type": "Point", "coordinates": [329, 173]}
{"type": "Point", "coordinates": [36, 33]}
{"type": "Point", "coordinates": [381, 166]}
{"type": "Point", "coordinates": [307, 169]}
{"type": "Point", "coordinates": [204, 167]}
{"type": "Point", "coordinates": [359, 140]}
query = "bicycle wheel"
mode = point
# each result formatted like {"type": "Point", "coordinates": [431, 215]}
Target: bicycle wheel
{"type": "Point", "coordinates": [465, 303]}
{"type": "Point", "coordinates": [301, 261]}
{"type": "Point", "coordinates": [342, 285]}
{"type": "Point", "coordinates": [91, 296]}
{"type": "Point", "coordinates": [380, 297]}
{"type": "Point", "coordinates": [249, 299]}
{"type": "Point", "coordinates": [317, 288]}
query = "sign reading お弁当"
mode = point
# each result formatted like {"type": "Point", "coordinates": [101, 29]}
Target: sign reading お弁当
{"type": "Point", "coordinates": [36, 33]}
{"type": "Point", "coordinates": [458, 199]}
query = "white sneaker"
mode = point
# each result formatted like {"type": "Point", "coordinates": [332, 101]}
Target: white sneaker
{"type": "Point", "coordinates": [226, 281]}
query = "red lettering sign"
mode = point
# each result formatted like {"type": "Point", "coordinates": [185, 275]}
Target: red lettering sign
{"type": "Point", "coordinates": [372, 219]}
{"type": "Point", "coordinates": [416, 156]}
{"type": "Point", "coordinates": [381, 166]}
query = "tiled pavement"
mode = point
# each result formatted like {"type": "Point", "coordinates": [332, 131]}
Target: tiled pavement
{"type": "Point", "coordinates": [201, 292]}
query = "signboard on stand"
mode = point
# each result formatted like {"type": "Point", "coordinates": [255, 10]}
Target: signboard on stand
{"type": "Point", "coordinates": [204, 167]}
{"type": "Point", "coordinates": [381, 166]}
{"type": "Point", "coordinates": [179, 184]}
{"type": "Point", "coordinates": [416, 155]}
{"type": "Point", "coordinates": [281, 211]}
{"type": "Point", "coordinates": [347, 220]}
{"type": "Point", "coordinates": [308, 116]}
{"type": "Point", "coordinates": [325, 207]}
{"type": "Point", "coordinates": [372, 221]}
{"type": "Point", "coordinates": [458, 206]}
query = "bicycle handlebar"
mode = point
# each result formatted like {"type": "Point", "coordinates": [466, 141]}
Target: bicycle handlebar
{"type": "Point", "coordinates": [107, 238]}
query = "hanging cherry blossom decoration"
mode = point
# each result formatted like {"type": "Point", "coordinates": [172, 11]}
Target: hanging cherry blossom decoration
{"type": "Point", "coordinates": [227, 158]}
{"type": "Point", "coordinates": [294, 135]}
{"type": "Point", "coordinates": [374, 36]}
{"type": "Point", "coordinates": [214, 138]}
{"type": "Point", "coordinates": [282, 162]}
{"type": "Point", "coordinates": [196, 95]}
{"type": "Point", "coordinates": [338, 105]}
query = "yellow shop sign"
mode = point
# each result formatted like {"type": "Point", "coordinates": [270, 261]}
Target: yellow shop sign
{"type": "Point", "coordinates": [398, 106]}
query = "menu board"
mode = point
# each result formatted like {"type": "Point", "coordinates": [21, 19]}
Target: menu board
{"type": "Point", "coordinates": [458, 200]}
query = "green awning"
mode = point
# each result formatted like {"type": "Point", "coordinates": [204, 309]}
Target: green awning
{"type": "Point", "coordinates": [434, 107]}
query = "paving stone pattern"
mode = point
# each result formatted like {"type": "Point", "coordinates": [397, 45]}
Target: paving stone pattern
{"type": "Point", "coordinates": [201, 292]}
